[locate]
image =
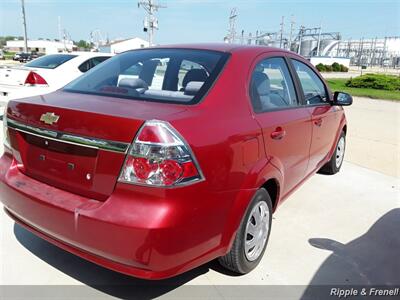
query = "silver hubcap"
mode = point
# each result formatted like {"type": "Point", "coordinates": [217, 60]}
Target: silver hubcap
{"type": "Point", "coordinates": [340, 152]}
{"type": "Point", "coordinates": [257, 228]}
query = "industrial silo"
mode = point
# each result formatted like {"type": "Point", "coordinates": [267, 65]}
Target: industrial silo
{"type": "Point", "coordinates": [327, 47]}
{"type": "Point", "coordinates": [308, 47]}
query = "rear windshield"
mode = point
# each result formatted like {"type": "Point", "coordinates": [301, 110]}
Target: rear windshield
{"type": "Point", "coordinates": [162, 75]}
{"type": "Point", "coordinates": [50, 61]}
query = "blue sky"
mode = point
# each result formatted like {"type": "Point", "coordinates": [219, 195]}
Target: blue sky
{"type": "Point", "coordinates": [199, 21]}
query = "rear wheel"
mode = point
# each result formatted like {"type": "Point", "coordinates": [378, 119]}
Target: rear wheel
{"type": "Point", "coordinates": [335, 163]}
{"type": "Point", "coordinates": [252, 236]}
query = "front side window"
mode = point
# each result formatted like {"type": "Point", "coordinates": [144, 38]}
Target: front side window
{"type": "Point", "coordinates": [154, 75]}
{"type": "Point", "coordinates": [313, 87]}
{"type": "Point", "coordinates": [272, 86]}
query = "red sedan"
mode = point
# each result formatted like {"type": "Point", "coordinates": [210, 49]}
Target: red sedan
{"type": "Point", "coordinates": [160, 160]}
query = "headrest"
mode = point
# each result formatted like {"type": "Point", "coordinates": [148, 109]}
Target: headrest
{"type": "Point", "coordinates": [193, 87]}
{"type": "Point", "coordinates": [133, 83]}
{"type": "Point", "coordinates": [261, 83]}
{"type": "Point", "coordinates": [194, 75]}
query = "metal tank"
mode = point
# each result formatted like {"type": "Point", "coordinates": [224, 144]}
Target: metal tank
{"type": "Point", "coordinates": [327, 47]}
{"type": "Point", "coordinates": [308, 47]}
{"type": "Point", "coordinates": [269, 41]}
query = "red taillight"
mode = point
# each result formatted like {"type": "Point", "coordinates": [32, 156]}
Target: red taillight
{"type": "Point", "coordinates": [35, 79]}
{"type": "Point", "coordinates": [159, 156]}
{"type": "Point", "coordinates": [155, 135]}
{"type": "Point", "coordinates": [143, 167]}
{"type": "Point", "coordinates": [171, 171]}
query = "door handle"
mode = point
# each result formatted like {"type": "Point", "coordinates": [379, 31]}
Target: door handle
{"type": "Point", "coordinates": [318, 122]}
{"type": "Point", "coordinates": [278, 134]}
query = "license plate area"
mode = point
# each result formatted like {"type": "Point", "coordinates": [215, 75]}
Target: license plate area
{"type": "Point", "coordinates": [60, 164]}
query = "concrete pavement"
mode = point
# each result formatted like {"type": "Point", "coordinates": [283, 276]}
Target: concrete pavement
{"type": "Point", "coordinates": [373, 138]}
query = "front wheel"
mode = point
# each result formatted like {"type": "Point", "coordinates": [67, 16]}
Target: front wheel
{"type": "Point", "coordinates": [252, 236]}
{"type": "Point", "coordinates": [335, 163]}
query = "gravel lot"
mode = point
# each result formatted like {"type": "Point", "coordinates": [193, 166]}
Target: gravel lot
{"type": "Point", "coordinates": [340, 229]}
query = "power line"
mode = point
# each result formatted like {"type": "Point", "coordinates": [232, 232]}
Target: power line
{"type": "Point", "coordinates": [151, 22]}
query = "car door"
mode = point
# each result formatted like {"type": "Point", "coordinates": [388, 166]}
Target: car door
{"type": "Point", "coordinates": [324, 118]}
{"type": "Point", "coordinates": [284, 121]}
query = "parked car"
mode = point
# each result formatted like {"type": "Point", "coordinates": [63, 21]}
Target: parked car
{"type": "Point", "coordinates": [24, 57]}
{"type": "Point", "coordinates": [17, 56]}
{"type": "Point", "coordinates": [46, 73]}
{"type": "Point", "coordinates": [35, 54]}
{"type": "Point", "coordinates": [154, 180]}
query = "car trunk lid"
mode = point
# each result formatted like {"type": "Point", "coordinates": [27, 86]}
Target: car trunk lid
{"type": "Point", "coordinates": [77, 142]}
{"type": "Point", "coordinates": [14, 76]}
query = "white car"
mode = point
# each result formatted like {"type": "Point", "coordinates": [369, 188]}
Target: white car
{"type": "Point", "coordinates": [46, 74]}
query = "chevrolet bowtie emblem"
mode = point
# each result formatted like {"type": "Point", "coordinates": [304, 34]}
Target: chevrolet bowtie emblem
{"type": "Point", "coordinates": [49, 118]}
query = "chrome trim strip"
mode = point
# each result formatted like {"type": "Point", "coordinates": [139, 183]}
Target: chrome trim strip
{"type": "Point", "coordinates": [67, 138]}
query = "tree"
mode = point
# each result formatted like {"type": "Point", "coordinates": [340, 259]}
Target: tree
{"type": "Point", "coordinates": [83, 44]}
{"type": "Point", "coordinates": [4, 39]}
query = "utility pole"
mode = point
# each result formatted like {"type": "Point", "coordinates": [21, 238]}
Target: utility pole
{"type": "Point", "coordinates": [384, 53]}
{"type": "Point", "coordinates": [282, 26]}
{"type": "Point", "coordinates": [373, 51]}
{"type": "Point", "coordinates": [291, 31]}
{"type": "Point", "coordinates": [300, 39]}
{"type": "Point", "coordinates": [360, 55]}
{"type": "Point", "coordinates": [151, 22]}
{"type": "Point", "coordinates": [348, 48]}
{"type": "Point", "coordinates": [232, 25]}
{"type": "Point", "coordinates": [24, 23]}
{"type": "Point", "coordinates": [64, 38]}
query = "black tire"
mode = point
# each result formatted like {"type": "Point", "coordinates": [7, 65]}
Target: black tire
{"type": "Point", "coordinates": [235, 260]}
{"type": "Point", "coordinates": [331, 167]}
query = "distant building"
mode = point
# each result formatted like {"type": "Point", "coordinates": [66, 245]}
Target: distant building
{"type": "Point", "coordinates": [124, 45]}
{"type": "Point", "coordinates": [41, 46]}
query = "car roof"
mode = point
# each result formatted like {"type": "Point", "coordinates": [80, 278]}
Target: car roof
{"type": "Point", "coordinates": [88, 54]}
{"type": "Point", "coordinates": [225, 47]}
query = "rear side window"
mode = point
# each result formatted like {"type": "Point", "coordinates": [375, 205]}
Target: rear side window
{"type": "Point", "coordinates": [98, 60]}
{"type": "Point", "coordinates": [50, 61]}
{"type": "Point", "coordinates": [163, 75]}
{"type": "Point", "coordinates": [272, 86]}
{"type": "Point", "coordinates": [92, 62]}
{"type": "Point", "coordinates": [313, 87]}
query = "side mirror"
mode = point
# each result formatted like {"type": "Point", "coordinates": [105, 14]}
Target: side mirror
{"type": "Point", "coordinates": [342, 99]}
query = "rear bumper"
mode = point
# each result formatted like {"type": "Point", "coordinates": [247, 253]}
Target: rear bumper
{"type": "Point", "coordinates": [146, 233]}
